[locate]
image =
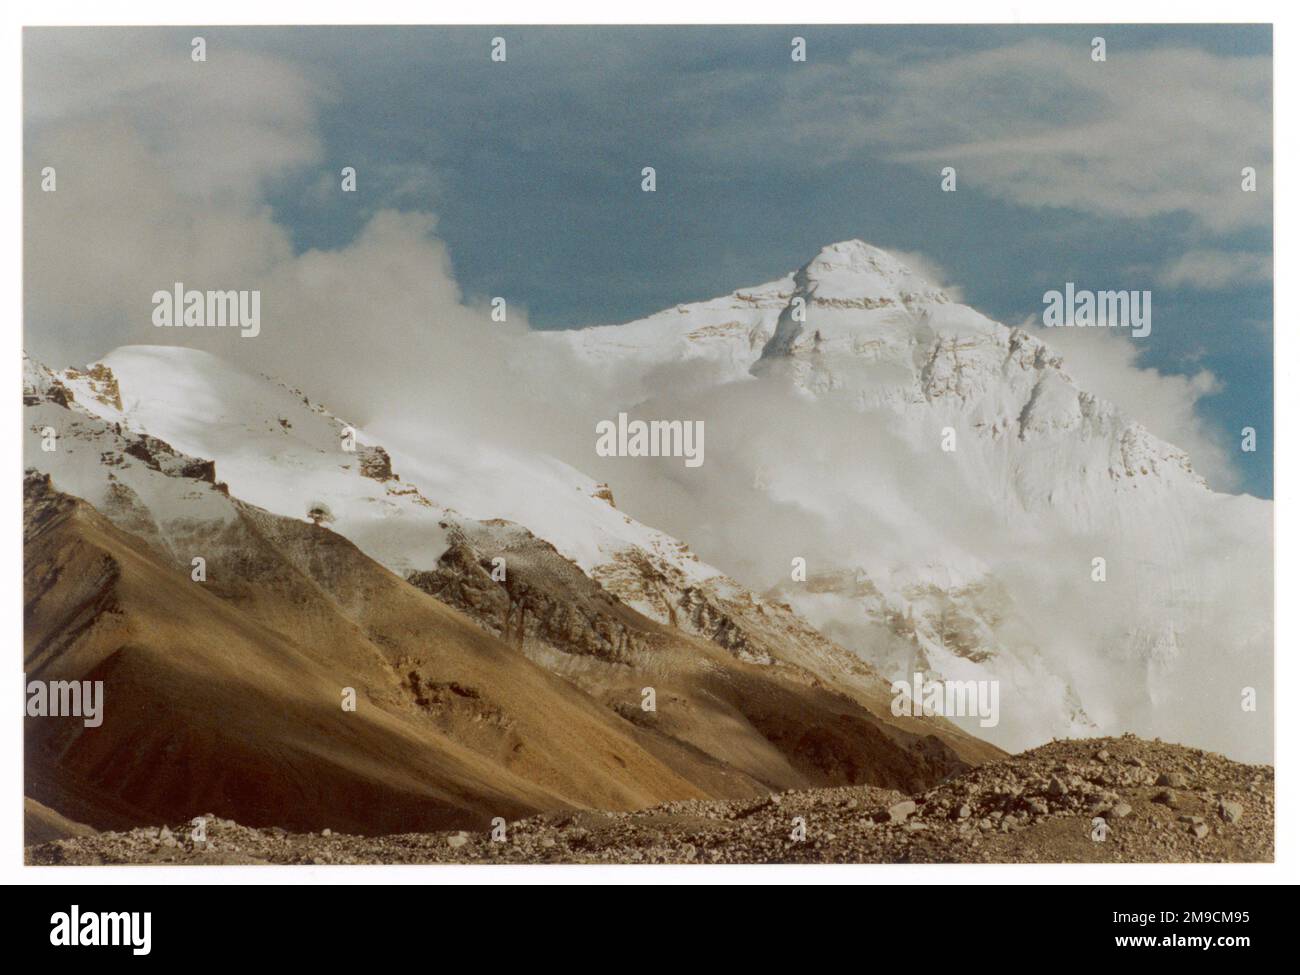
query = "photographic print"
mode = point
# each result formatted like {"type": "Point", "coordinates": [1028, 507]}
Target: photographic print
{"type": "Point", "coordinates": [648, 444]}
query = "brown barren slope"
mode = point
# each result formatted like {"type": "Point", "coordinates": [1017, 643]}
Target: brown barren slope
{"type": "Point", "coordinates": [813, 714]}
{"type": "Point", "coordinates": [226, 695]}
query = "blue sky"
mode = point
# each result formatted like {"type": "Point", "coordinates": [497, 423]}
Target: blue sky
{"type": "Point", "coordinates": [1122, 174]}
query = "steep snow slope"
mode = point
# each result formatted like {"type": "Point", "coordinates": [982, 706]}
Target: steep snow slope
{"type": "Point", "coordinates": [276, 449]}
{"type": "Point", "coordinates": [726, 334]}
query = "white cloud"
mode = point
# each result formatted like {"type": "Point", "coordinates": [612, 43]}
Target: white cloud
{"type": "Point", "coordinates": [1214, 270]}
{"type": "Point", "coordinates": [163, 166]}
{"type": "Point", "coordinates": [931, 271]}
{"type": "Point", "coordinates": [218, 129]}
{"type": "Point", "coordinates": [1145, 134]}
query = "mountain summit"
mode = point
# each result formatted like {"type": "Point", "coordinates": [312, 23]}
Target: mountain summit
{"type": "Point", "coordinates": [853, 270]}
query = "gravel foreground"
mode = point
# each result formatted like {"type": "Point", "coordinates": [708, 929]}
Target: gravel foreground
{"type": "Point", "coordinates": [1105, 800]}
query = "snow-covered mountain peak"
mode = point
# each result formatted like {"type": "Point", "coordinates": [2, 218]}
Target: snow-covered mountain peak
{"type": "Point", "coordinates": [853, 271]}
{"type": "Point", "coordinates": [859, 325]}
{"type": "Point", "coordinates": [729, 333]}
